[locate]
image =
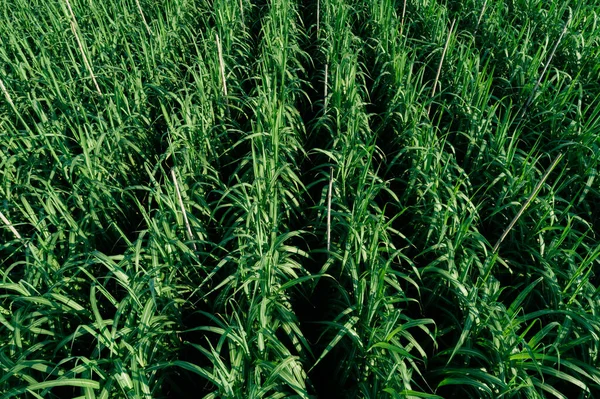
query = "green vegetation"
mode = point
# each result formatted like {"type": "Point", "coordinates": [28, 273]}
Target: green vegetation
{"type": "Point", "coordinates": [269, 199]}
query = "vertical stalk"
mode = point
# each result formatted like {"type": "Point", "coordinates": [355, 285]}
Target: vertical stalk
{"type": "Point", "coordinates": [143, 18]}
{"type": "Point", "coordinates": [79, 43]}
{"type": "Point", "coordinates": [329, 208]}
{"type": "Point", "coordinates": [318, 17]}
{"type": "Point", "coordinates": [526, 204]}
{"type": "Point", "coordinates": [221, 64]}
{"type": "Point", "coordinates": [325, 90]}
{"type": "Point", "coordinates": [242, 12]}
{"type": "Point", "coordinates": [185, 219]}
{"type": "Point", "coordinates": [402, 19]}
{"type": "Point", "coordinates": [547, 64]}
{"type": "Point", "coordinates": [439, 70]}
{"type": "Point", "coordinates": [480, 16]}
{"type": "Point", "coordinates": [7, 95]}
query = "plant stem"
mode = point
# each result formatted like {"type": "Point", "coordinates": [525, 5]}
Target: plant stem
{"type": "Point", "coordinates": [439, 70]}
{"type": "Point", "coordinates": [79, 43]}
{"type": "Point", "coordinates": [221, 64]}
{"type": "Point", "coordinates": [185, 218]}
{"type": "Point", "coordinates": [526, 204]}
{"type": "Point", "coordinates": [143, 18]}
{"type": "Point", "coordinates": [402, 19]}
{"type": "Point", "coordinates": [10, 226]}
{"type": "Point", "coordinates": [6, 94]}
{"type": "Point", "coordinates": [329, 208]}
{"type": "Point", "coordinates": [480, 16]}
{"type": "Point", "coordinates": [546, 65]}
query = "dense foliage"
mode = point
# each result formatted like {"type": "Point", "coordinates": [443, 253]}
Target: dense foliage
{"type": "Point", "coordinates": [277, 198]}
